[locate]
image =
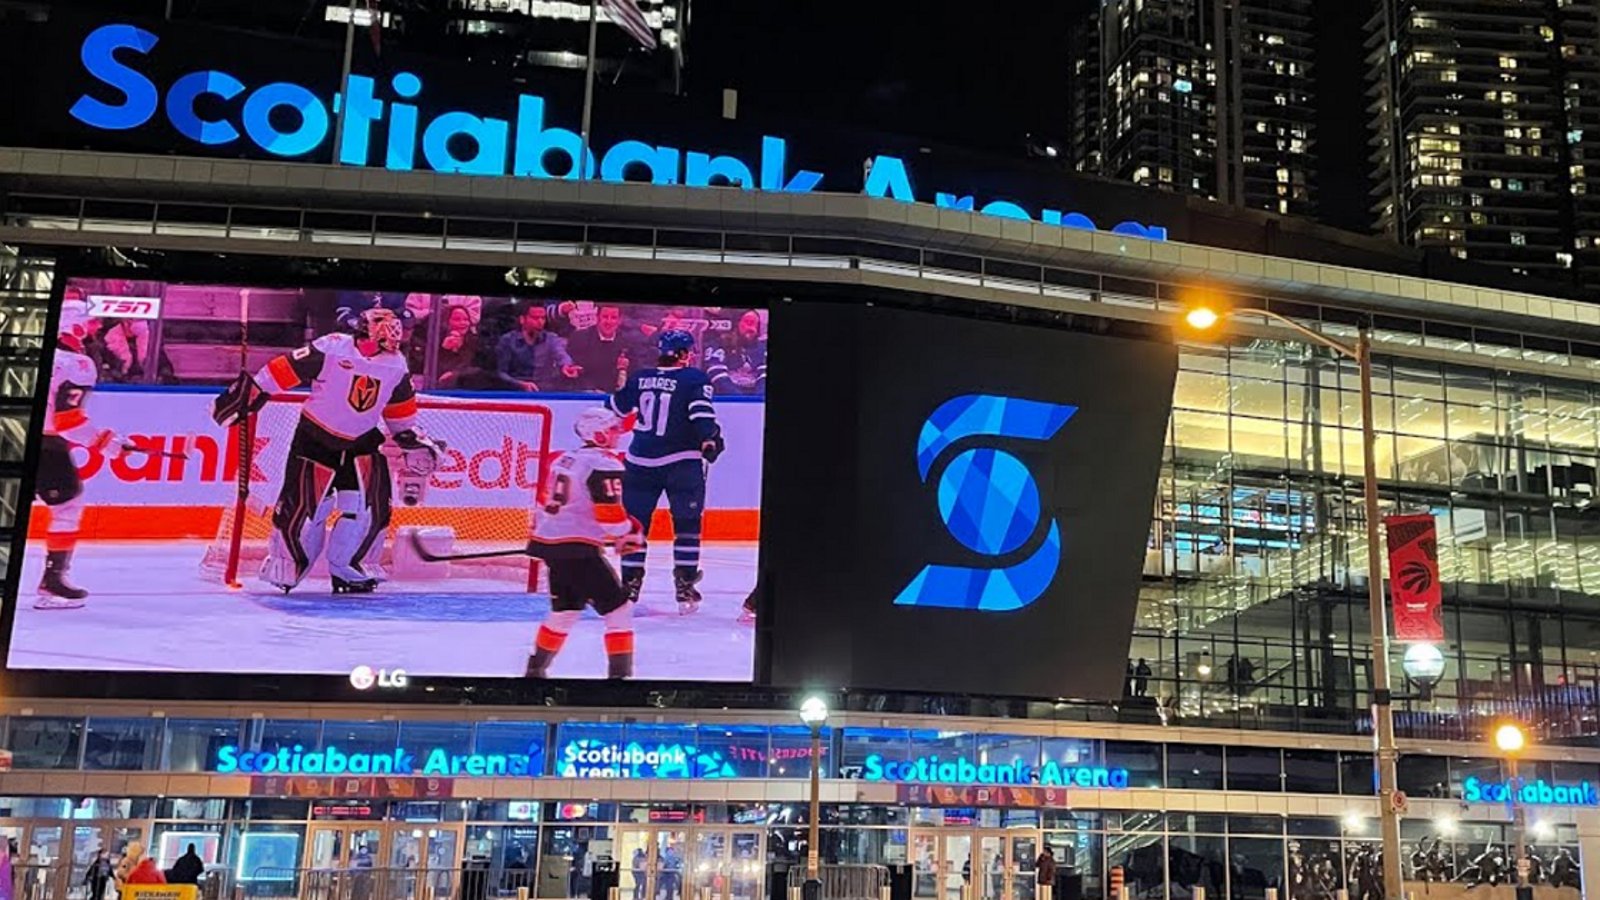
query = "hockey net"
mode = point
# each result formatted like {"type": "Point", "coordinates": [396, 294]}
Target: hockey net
{"type": "Point", "coordinates": [483, 496]}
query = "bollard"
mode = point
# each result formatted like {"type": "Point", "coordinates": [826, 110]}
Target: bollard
{"type": "Point", "coordinates": [522, 892]}
{"type": "Point", "coordinates": [1341, 894]}
{"type": "Point", "coordinates": [427, 892]}
{"type": "Point", "coordinates": [1046, 892]}
{"type": "Point", "coordinates": [615, 893]}
{"type": "Point", "coordinates": [794, 892]}
{"type": "Point", "coordinates": [1199, 892]}
{"type": "Point", "coordinates": [883, 892]}
{"type": "Point", "coordinates": [1272, 893]}
{"type": "Point", "coordinates": [1125, 893]}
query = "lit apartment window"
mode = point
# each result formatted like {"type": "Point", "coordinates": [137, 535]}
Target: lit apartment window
{"type": "Point", "coordinates": [1518, 239]}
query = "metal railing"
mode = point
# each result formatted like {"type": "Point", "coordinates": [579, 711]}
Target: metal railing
{"type": "Point", "coordinates": [844, 882]}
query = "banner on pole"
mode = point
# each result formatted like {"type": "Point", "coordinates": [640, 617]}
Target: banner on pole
{"type": "Point", "coordinates": [1414, 578]}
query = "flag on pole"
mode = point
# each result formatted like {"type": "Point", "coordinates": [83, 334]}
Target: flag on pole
{"type": "Point", "coordinates": [627, 14]}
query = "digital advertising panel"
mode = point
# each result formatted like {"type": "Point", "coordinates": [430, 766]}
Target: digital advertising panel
{"type": "Point", "coordinates": [964, 504]}
{"type": "Point", "coordinates": [270, 479]}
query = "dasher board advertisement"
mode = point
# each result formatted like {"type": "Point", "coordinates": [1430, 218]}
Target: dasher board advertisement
{"type": "Point", "coordinates": [437, 484]}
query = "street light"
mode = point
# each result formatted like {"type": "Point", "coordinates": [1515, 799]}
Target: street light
{"type": "Point", "coordinates": [1202, 317]}
{"type": "Point", "coordinates": [1510, 740]}
{"type": "Point", "coordinates": [814, 713]}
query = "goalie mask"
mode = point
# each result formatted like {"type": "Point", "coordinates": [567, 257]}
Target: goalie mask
{"type": "Point", "coordinates": [598, 426]}
{"type": "Point", "coordinates": [382, 327]}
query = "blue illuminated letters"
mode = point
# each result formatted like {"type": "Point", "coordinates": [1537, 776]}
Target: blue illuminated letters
{"type": "Point", "coordinates": [960, 770]}
{"type": "Point", "coordinates": [330, 760]}
{"type": "Point", "coordinates": [1538, 792]}
{"type": "Point", "coordinates": [289, 120]}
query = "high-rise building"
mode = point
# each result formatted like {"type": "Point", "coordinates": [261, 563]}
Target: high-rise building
{"type": "Point", "coordinates": [1482, 117]}
{"type": "Point", "coordinates": [1200, 97]}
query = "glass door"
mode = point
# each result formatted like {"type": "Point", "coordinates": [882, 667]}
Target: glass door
{"type": "Point", "coordinates": [1022, 879]}
{"type": "Point", "coordinates": [343, 847]}
{"type": "Point", "coordinates": [989, 867]}
{"type": "Point", "coordinates": [671, 864]}
{"type": "Point", "coordinates": [635, 848]}
{"type": "Point", "coordinates": [925, 867]}
{"type": "Point", "coordinates": [707, 874]}
{"type": "Point", "coordinates": [957, 868]}
{"type": "Point", "coordinates": [745, 865]}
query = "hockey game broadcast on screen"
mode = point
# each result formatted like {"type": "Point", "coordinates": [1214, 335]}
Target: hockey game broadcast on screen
{"type": "Point", "coordinates": [250, 479]}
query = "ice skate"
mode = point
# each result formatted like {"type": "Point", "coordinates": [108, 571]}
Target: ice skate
{"type": "Point", "coordinates": [632, 584]}
{"type": "Point", "coordinates": [55, 591]}
{"type": "Point", "coordinates": [688, 596]}
{"type": "Point", "coordinates": [358, 586]}
{"type": "Point", "coordinates": [538, 666]}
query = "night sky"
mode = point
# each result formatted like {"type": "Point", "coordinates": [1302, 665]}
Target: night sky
{"type": "Point", "coordinates": [984, 75]}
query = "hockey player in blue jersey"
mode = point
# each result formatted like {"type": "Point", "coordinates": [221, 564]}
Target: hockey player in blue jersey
{"type": "Point", "coordinates": [675, 437]}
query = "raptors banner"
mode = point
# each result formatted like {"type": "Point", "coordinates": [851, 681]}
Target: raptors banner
{"type": "Point", "coordinates": [1414, 578]}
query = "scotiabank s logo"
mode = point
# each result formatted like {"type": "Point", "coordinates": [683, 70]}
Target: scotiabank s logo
{"type": "Point", "coordinates": [990, 502]}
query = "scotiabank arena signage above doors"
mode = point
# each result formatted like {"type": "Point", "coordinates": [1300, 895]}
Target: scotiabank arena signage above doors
{"type": "Point", "coordinates": [135, 81]}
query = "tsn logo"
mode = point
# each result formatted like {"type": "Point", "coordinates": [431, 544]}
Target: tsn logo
{"type": "Point", "coordinates": [124, 307]}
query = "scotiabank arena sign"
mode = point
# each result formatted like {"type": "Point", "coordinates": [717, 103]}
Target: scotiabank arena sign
{"type": "Point", "coordinates": [383, 125]}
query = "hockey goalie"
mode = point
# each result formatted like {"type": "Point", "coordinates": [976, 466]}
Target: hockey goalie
{"type": "Point", "coordinates": [360, 388]}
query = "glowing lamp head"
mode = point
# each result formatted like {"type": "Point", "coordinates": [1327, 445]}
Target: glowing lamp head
{"type": "Point", "coordinates": [814, 711]}
{"type": "Point", "coordinates": [1202, 318]}
{"type": "Point", "coordinates": [1510, 738]}
{"type": "Point", "coordinates": [1423, 662]}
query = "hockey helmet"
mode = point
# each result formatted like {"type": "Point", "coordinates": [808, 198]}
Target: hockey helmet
{"type": "Point", "coordinates": [598, 426]}
{"type": "Point", "coordinates": [76, 322]}
{"type": "Point", "coordinates": [381, 325]}
{"type": "Point", "coordinates": [674, 341]}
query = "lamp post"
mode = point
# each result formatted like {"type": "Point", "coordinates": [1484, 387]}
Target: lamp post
{"type": "Point", "coordinates": [1201, 318]}
{"type": "Point", "coordinates": [814, 712]}
{"type": "Point", "coordinates": [1510, 740]}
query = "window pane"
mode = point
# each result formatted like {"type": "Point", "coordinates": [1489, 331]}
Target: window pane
{"type": "Point", "coordinates": [44, 743]}
{"type": "Point", "coordinates": [192, 744]}
{"type": "Point", "coordinates": [1194, 766]}
{"type": "Point", "coordinates": [1254, 769]}
{"type": "Point", "coordinates": [1311, 771]}
{"type": "Point", "coordinates": [129, 745]}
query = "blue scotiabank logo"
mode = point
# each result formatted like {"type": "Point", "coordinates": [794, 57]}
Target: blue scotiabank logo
{"type": "Point", "coordinates": [990, 502]}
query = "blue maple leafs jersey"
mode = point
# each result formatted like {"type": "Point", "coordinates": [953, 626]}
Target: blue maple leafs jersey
{"type": "Point", "coordinates": [675, 415]}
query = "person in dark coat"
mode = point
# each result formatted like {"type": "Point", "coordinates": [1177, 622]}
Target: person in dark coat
{"type": "Point", "coordinates": [98, 875]}
{"type": "Point", "coordinates": [188, 868]}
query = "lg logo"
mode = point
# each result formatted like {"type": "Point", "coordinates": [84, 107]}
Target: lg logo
{"type": "Point", "coordinates": [990, 502]}
{"type": "Point", "coordinates": [364, 678]}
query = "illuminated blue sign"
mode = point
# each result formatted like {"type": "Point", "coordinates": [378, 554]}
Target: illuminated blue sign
{"type": "Point", "coordinates": [590, 758]}
{"type": "Point", "coordinates": [961, 770]}
{"type": "Point", "coordinates": [330, 760]}
{"type": "Point", "coordinates": [290, 120]}
{"type": "Point", "coordinates": [1539, 792]}
{"type": "Point", "coordinates": [989, 502]}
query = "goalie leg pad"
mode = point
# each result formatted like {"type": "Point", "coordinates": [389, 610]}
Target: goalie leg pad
{"type": "Point", "coordinates": [355, 545]}
{"type": "Point", "coordinates": [305, 486]}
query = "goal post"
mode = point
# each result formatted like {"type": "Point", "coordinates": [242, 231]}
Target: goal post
{"type": "Point", "coordinates": [484, 494]}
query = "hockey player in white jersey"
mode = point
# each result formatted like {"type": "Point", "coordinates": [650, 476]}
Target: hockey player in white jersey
{"type": "Point", "coordinates": [357, 382]}
{"type": "Point", "coordinates": [66, 423]}
{"type": "Point", "coordinates": [581, 516]}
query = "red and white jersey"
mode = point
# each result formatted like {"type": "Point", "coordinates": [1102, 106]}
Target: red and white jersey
{"type": "Point", "coordinates": [72, 378]}
{"type": "Point", "coordinates": [351, 392]}
{"type": "Point", "coordinates": [586, 496]}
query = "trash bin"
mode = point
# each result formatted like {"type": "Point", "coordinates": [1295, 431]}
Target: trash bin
{"type": "Point", "coordinates": [475, 880]}
{"type": "Point", "coordinates": [603, 876]}
{"type": "Point", "coordinates": [777, 881]}
{"type": "Point", "coordinates": [900, 881]}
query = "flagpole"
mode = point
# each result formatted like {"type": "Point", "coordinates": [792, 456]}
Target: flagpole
{"type": "Point", "coordinates": [588, 92]}
{"type": "Point", "coordinates": [344, 81]}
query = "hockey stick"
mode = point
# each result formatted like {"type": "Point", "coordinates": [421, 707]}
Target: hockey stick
{"type": "Point", "coordinates": [245, 435]}
{"type": "Point", "coordinates": [427, 555]}
{"type": "Point", "coordinates": [164, 454]}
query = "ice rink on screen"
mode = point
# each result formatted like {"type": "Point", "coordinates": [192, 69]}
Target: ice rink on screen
{"type": "Point", "coordinates": [150, 609]}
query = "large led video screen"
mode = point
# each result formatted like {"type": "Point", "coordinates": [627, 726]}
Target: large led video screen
{"type": "Point", "coordinates": [306, 480]}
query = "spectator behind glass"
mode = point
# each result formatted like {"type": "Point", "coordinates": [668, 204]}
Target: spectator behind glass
{"type": "Point", "coordinates": [738, 363]}
{"type": "Point", "coordinates": [458, 345]}
{"type": "Point", "coordinates": [603, 353]}
{"type": "Point", "coordinates": [530, 358]}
